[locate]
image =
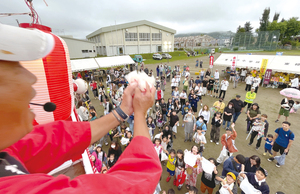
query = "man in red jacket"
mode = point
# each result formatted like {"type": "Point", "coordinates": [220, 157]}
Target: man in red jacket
{"type": "Point", "coordinates": [28, 153]}
{"type": "Point", "coordinates": [228, 146]}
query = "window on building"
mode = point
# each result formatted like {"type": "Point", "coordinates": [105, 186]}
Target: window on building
{"type": "Point", "coordinates": [90, 51]}
{"type": "Point", "coordinates": [84, 51]}
{"type": "Point", "coordinates": [144, 36]}
{"type": "Point", "coordinates": [156, 36]}
{"type": "Point", "coordinates": [131, 36]}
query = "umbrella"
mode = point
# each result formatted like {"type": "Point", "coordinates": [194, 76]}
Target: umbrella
{"type": "Point", "coordinates": [290, 92]}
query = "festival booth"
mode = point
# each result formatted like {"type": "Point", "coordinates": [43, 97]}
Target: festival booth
{"type": "Point", "coordinates": [273, 69]}
{"type": "Point", "coordinates": [84, 65]}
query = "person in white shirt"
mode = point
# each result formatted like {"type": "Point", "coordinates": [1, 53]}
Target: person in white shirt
{"type": "Point", "coordinates": [175, 94]}
{"type": "Point", "coordinates": [199, 92]}
{"type": "Point", "coordinates": [243, 74]}
{"type": "Point", "coordinates": [224, 86]}
{"type": "Point", "coordinates": [256, 82]}
{"type": "Point", "coordinates": [178, 79]}
{"type": "Point", "coordinates": [83, 111]}
{"type": "Point", "coordinates": [187, 73]}
{"type": "Point", "coordinates": [173, 83]}
{"type": "Point", "coordinates": [295, 83]}
{"type": "Point", "coordinates": [200, 139]}
{"type": "Point", "coordinates": [217, 74]}
{"type": "Point", "coordinates": [205, 113]}
{"type": "Point", "coordinates": [202, 72]}
{"type": "Point", "coordinates": [248, 81]}
{"type": "Point", "coordinates": [182, 97]}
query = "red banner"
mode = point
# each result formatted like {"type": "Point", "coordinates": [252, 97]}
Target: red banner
{"type": "Point", "coordinates": [233, 66]}
{"type": "Point", "coordinates": [268, 76]}
{"type": "Point", "coordinates": [211, 61]}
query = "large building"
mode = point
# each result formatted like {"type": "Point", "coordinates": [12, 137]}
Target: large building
{"type": "Point", "coordinates": [133, 38]}
{"type": "Point", "coordinates": [79, 48]}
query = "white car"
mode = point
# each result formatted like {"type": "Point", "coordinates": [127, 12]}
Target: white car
{"type": "Point", "coordinates": [157, 56]}
{"type": "Point", "coordinates": [166, 56]}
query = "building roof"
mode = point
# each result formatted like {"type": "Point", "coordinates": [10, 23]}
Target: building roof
{"type": "Point", "coordinates": [129, 25]}
{"type": "Point", "coordinates": [71, 38]}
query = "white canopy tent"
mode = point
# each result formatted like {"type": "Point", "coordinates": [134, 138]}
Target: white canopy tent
{"type": "Point", "coordinates": [100, 62]}
{"type": "Point", "coordinates": [83, 64]}
{"type": "Point", "coordinates": [287, 64]}
{"type": "Point", "coordinates": [105, 62]}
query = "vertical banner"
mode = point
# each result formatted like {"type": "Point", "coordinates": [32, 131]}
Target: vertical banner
{"type": "Point", "coordinates": [233, 66]}
{"type": "Point", "coordinates": [268, 75]}
{"type": "Point", "coordinates": [263, 66]}
{"type": "Point", "coordinates": [211, 61]}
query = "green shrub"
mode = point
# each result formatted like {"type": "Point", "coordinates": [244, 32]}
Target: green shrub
{"type": "Point", "coordinates": [235, 48]}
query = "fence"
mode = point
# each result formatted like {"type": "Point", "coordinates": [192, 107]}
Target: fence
{"type": "Point", "coordinates": [264, 40]}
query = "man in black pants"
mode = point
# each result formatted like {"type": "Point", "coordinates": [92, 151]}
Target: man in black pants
{"type": "Point", "coordinates": [224, 86]}
{"type": "Point", "coordinates": [282, 141]}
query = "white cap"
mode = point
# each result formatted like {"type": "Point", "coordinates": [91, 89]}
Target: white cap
{"type": "Point", "coordinates": [20, 44]}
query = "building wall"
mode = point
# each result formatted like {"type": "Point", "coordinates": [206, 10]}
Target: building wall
{"type": "Point", "coordinates": [78, 48]}
{"type": "Point", "coordinates": [116, 44]}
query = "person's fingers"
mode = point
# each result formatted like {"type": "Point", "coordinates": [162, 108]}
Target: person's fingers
{"type": "Point", "coordinates": [130, 89]}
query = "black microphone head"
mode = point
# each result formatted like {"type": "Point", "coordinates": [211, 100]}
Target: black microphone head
{"type": "Point", "coordinates": [49, 107]}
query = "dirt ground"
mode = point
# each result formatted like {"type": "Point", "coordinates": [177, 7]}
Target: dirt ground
{"type": "Point", "coordinates": [279, 179]}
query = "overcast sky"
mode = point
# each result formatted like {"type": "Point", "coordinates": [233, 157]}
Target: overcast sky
{"type": "Point", "coordinates": [81, 17]}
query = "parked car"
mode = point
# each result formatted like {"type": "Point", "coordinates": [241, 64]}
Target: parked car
{"type": "Point", "coordinates": [166, 56]}
{"type": "Point", "coordinates": [138, 58]}
{"type": "Point", "coordinates": [157, 56]}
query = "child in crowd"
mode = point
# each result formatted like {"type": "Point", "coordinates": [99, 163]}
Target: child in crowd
{"type": "Point", "coordinates": [111, 161]}
{"type": "Point", "coordinates": [201, 124]}
{"type": "Point", "coordinates": [171, 164]}
{"type": "Point", "coordinates": [185, 110]}
{"type": "Point", "coordinates": [97, 163]}
{"type": "Point", "coordinates": [158, 147]}
{"type": "Point", "coordinates": [194, 102]}
{"type": "Point", "coordinates": [193, 190]}
{"type": "Point", "coordinates": [199, 138]}
{"type": "Point", "coordinates": [257, 180]}
{"type": "Point", "coordinates": [208, 179]}
{"type": "Point", "coordinates": [228, 144]}
{"type": "Point", "coordinates": [268, 145]}
{"type": "Point", "coordinates": [257, 129]}
{"type": "Point", "coordinates": [295, 107]}
{"type": "Point", "coordinates": [204, 85]}
{"type": "Point", "coordinates": [151, 126]}
{"type": "Point", "coordinates": [160, 122]}
{"type": "Point", "coordinates": [216, 88]}
{"type": "Point", "coordinates": [179, 170]}
{"type": "Point", "coordinates": [164, 143]}
{"type": "Point", "coordinates": [227, 184]}
{"type": "Point", "coordinates": [215, 128]}
{"type": "Point", "coordinates": [183, 97]}
{"type": "Point", "coordinates": [129, 136]}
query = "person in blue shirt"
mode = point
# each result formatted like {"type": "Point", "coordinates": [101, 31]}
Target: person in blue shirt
{"type": "Point", "coordinates": [282, 141]}
{"type": "Point", "coordinates": [258, 180]}
{"type": "Point", "coordinates": [194, 102]}
{"type": "Point", "coordinates": [200, 123]}
{"type": "Point", "coordinates": [233, 164]}
{"type": "Point", "coordinates": [197, 81]}
{"type": "Point", "coordinates": [185, 110]}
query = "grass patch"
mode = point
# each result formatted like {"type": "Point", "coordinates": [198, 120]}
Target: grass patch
{"type": "Point", "coordinates": [176, 56]}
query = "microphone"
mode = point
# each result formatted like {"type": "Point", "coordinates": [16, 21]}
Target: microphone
{"type": "Point", "coordinates": [48, 107]}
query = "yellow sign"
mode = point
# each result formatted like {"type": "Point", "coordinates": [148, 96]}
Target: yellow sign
{"type": "Point", "coordinates": [263, 66]}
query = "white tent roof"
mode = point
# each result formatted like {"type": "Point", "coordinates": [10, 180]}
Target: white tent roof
{"type": "Point", "coordinates": [104, 62]}
{"type": "Point", "coordinates": [83, 64]}
{"type": "Point", "coordinates": [287, 64]}
{"type": "Point", "coordinates": [101, 62]}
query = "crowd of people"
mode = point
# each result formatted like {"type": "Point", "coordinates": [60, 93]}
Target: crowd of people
{"type": "Point", "coordinates": [198, 118]}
